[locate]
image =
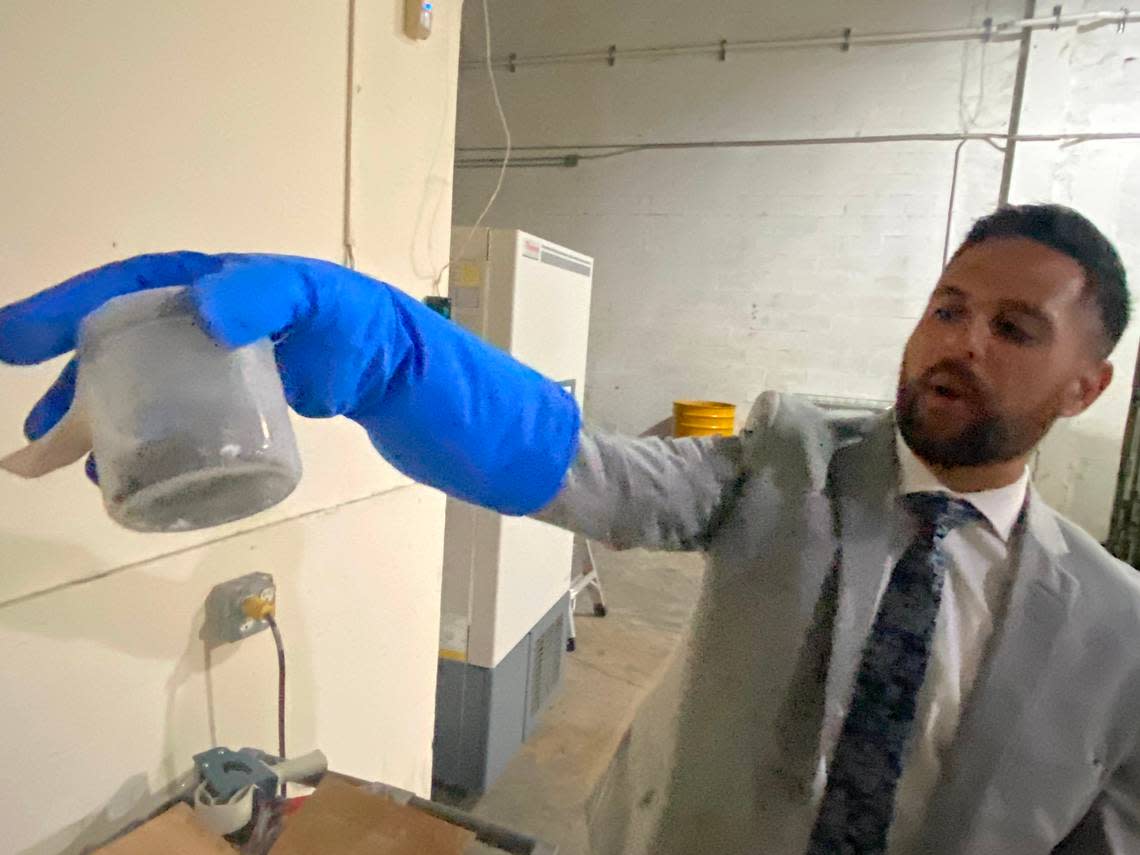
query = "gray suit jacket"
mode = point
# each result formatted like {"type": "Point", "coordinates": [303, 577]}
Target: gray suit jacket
{"type": "Point", "coordinates": [793, 516]}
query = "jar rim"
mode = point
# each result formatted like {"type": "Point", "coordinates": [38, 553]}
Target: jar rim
{"type": "Point", "coordinates": [128, 310]}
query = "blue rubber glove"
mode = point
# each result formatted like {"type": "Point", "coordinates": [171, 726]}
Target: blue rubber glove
{"type": "Point", "coordinates": [440, 404]}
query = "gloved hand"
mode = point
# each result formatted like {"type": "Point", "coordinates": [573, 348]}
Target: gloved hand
{"type": "Point", "coordinates": [440, 404]}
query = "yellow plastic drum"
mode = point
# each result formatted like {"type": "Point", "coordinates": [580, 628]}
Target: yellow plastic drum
{"type": "Point", "coordinates": [703, 418]}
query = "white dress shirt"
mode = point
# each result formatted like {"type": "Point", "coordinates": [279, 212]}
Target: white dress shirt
{"type": "Point", "coordinates": [978, 579]}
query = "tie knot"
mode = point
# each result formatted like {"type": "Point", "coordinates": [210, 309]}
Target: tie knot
{"type": "Point", "coordinates": [939, 514]}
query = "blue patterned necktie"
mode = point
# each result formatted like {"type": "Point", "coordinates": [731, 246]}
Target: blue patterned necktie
{"type": "Point", "coordinates": [858, 802]}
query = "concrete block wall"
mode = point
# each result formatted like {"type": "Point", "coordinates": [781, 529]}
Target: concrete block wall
{"type": "Point", "coordinates": [724, 272]}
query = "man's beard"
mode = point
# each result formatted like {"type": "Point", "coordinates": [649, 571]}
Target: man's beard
{"type": "Point", "coordinates": [986, 438]}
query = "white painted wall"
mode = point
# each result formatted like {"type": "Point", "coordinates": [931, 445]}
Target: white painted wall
{"type": "Point", "coordinates": [726, 272]}
{"type": "Point", "coordinates": [132, 126]}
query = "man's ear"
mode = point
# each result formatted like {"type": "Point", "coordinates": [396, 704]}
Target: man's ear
{"type": "Point", "coordinates": [1087, 388]}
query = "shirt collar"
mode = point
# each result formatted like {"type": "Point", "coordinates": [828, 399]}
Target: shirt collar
{"type": "Point", "coordinates": [1001, 507]}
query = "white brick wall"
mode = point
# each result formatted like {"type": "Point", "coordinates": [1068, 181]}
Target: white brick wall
{"type": "Point", "coordinates": [1088, 82]}
{"type": "Point", "coordinates": [724, 272]}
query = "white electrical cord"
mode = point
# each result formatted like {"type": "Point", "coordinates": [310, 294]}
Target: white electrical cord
{"type": "Point", "coordinates": [436, 186]}
{"type": "Point", "coordinates": [968, 120]}
{"type": "Point", "coordinates": [506, 148]}
{"type": "Point", "coordinates": [348, 241]}
{"type": "Point", "coordinates": [475, 512]}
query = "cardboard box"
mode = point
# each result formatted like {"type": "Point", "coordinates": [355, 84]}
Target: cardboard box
{"type": "Point", "coordinates": [341, 819]}
{"type": "Point", "coordinates": [175, 832]}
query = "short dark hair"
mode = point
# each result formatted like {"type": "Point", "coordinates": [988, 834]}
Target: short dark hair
{"type": "Point", "coordinates": [1066, 231]}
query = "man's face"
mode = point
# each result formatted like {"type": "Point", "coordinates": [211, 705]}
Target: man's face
{"type": "Point", "coordinates": [1009, 342]}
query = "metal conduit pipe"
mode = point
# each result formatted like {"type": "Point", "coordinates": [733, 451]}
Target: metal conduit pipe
{"type": "Point", "coordinates": [989, 31]}
{"type": "Point", "coordinates": [572, 155]}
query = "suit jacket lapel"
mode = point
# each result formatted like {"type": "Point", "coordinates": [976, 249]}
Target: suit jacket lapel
{"type": "Point", "coordinates": [1039, 602]}
{"type": "Point", "coordinates": [864, 484]}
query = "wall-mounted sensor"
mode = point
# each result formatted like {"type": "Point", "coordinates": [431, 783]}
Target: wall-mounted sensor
{"type": "Point", "coordinates": [417, 18]}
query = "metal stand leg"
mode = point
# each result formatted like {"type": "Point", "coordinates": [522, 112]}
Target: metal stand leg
{"type": "Point", "coordinates": [571, 641]}
{"type": "Point", "coordinates": [592, 583]}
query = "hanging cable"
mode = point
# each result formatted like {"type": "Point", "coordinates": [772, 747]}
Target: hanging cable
{"type": "Point", "coordinates": [437, 185]}
{"type": "Point", "coordinates": [262, 608]}
{"type": "Point", "coordinates": [506, 150]}
{"type": "Point", "coordinates": [967, 122]}
{"type": "Point", "coordinates": [280, 644]}
{"type": "Point", "coordinates": [350, 97]}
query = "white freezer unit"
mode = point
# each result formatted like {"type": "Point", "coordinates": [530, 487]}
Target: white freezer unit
{"type": "Point", "coordinates": [506, 580]}
{"type": "Point", "coordinates": [532, 299]}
